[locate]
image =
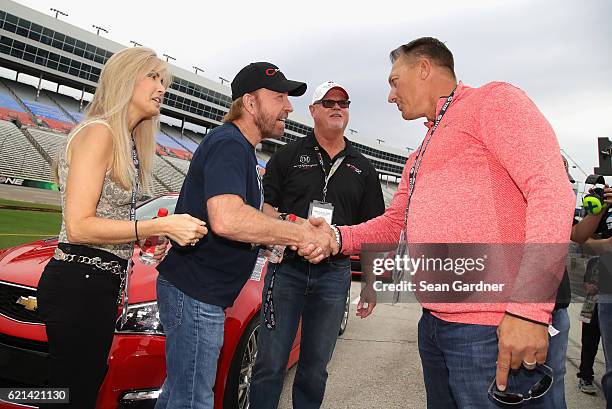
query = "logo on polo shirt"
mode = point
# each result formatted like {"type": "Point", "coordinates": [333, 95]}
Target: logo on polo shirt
{"type": "Point", "coordinates": [304, 163]}
{"type": "Point", "coordinates": [353, 168]}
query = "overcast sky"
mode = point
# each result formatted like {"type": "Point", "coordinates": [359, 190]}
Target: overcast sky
{"type": "Point", "coordinates": [559, 52]}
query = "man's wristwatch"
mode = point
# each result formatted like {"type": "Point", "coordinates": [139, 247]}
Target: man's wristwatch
{"type": "Point", "coordinates": [338, 237]}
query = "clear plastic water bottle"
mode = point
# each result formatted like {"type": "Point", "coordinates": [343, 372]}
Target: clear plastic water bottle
{"type": "Point", "coordinates": [278, 250]}
{"type": "Point", "coordinates": [147, 250]}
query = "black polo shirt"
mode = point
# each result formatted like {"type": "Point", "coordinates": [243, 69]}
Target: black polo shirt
{"type": "Point", "coordinates": [294, 179]}
{"type": "Point", "coordinates": [215, 269]}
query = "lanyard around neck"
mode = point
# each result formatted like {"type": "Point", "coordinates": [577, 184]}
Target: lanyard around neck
{"type": "Point", "coordinates": [136, 183]}
{"type": "Point", "coordinates": [333, 169]}
{"type": "Point", "coordinates": [416, 165]}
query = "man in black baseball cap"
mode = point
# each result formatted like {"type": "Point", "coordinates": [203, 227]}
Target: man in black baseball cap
{"type": "Point", "coordinates": [223, 188]}
{"type": "Point", "coordinates": [260, 103]}
{"type": "Point", "coordinates": [258, 75]}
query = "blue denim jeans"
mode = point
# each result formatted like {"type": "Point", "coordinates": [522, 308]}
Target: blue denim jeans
{"type": "Point", "coordinates": [317, 295]}
{"type": "Point", "coordinates": [557, 353]}
{"type": "Point", "coordinates": [605, 326]}
{"type": "Point", "coordinates": [194, 336]}
{"type": "Point", "coordinates": [459, 364]}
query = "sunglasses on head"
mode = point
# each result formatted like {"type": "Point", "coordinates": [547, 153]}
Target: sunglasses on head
{"type": "Point", "coordinates": [329, 103]}
{"type": "Point", "coordinates": [538, 390]}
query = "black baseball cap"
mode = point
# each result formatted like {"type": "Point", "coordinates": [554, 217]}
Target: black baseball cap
{"type": "Point", "coordinates": [266, 75]}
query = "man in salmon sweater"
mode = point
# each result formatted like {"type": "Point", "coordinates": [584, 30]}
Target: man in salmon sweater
{"type": "Point", "coordinates": [491, 161]}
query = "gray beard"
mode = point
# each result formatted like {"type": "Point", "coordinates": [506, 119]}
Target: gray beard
{"type": "Point", "coordinates": [265, 131]}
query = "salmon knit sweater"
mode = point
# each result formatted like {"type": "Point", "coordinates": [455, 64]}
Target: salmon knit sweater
{"type": "Point", "coordinates": [492, 173]}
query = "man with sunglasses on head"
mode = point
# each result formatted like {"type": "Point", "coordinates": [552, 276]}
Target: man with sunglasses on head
{"type": "Point", "coordinates": [319, 175]}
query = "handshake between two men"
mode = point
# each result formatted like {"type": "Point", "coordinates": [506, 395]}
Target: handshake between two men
{"type": "Point", "coordinates": [317, 240]}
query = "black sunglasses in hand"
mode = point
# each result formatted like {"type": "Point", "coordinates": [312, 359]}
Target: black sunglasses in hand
{"type": "Point", "coordinates": [329, 103]}
{"type": "Point", "coordinates": [538, 390]}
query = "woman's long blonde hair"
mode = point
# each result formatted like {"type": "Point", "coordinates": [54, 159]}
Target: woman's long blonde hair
{"type": "Point", "coordinates": [110, 103]}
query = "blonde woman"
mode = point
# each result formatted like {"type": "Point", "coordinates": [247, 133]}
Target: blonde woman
{"type": "Point", "coordinates": [104, 168]}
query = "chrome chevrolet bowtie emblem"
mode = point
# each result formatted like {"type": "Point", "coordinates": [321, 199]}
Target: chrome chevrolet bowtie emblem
{"type": "Point", "coordinates": [29, 303]}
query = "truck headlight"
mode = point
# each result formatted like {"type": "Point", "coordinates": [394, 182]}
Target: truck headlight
{"type": "Point", "coordinates": [141, 319]}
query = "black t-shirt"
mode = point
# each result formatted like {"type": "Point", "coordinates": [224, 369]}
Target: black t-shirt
{"type": "Point", "coordinates": [294, 179]}
{"type": "Point", "coordinates": [215, 269]}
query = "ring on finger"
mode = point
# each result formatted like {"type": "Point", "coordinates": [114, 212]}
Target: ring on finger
{"type": "Point", "coordinates": [529, 365]}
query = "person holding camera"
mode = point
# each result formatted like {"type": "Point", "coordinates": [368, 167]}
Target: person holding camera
{"type": "Point", "coordinates": [596, 235]}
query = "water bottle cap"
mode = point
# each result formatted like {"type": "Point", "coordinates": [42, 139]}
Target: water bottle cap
{"type": "Point", "coordinates": [162, 212]}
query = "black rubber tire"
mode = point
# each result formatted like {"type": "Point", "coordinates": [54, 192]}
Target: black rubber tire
{"type": "Point", "coordinates": [231, 398]}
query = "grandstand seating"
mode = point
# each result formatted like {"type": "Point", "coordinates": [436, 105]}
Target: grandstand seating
{"type": "Point", "coordinates": [41, 106]}
{"type": "Point", "coordinates": [168, 174]}
{"type": "Point", "coordinates": [18, 156]}
{"type": "Point", "coordinates": [175, 134]}
{"type": "Point", "coordinates": [10, 109]}
{"type": "Point", "coordinates": [7, 102]}
{"type": "Point", "coordinates": [388, 192]}
{"type": "Point", "coordinates": [51, 115]}
{"type": "Point", "coordinates": [156, 188]}
{"type": "Point", "coordinates": [195, 137]}
{"type": "Point", "coordinates": [182, 164]}
{"type": "Point", "coordinates": [70, 105]}
{"type": "Point", "coordinates": [173, 147]}
{"type": "Point", "coordinates": [77, 115]}
{"type": "Point", "coordinates": [51, 142]}
{"type": "Point", "coordinates": [160, 150]}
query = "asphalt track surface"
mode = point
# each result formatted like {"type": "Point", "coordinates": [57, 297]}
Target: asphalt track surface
{"type": "Point", "coordinates": [376, 363]}
{"type": "Point", "coordinates": [29, 194]}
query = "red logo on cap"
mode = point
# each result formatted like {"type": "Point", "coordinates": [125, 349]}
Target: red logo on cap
{"type": "Point", "coordinates": [271, 71]}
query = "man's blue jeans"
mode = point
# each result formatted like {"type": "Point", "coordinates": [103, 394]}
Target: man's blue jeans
{"type": "Point", "coordinates": [194, 336]}
{"type": "Point", "coordinates": [459, 364]}
{"type": "Point", "coordinates": [557, 354]}
{"type": "Point", "coordinates": [605, 326]}
{"type": "Point", "coordinates": [316, 294]}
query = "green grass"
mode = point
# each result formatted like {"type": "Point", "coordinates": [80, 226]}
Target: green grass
{"type": "Point", "coordinates": [23, 226]}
